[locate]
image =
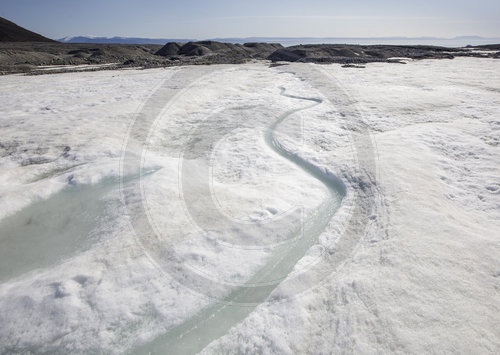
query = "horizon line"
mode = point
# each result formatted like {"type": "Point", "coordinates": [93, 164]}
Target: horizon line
{"type": "Point", "coordinates": [286, 37]}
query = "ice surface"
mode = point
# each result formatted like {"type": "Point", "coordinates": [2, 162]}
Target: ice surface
{"type": "Point", "coordinates": [423, 277]}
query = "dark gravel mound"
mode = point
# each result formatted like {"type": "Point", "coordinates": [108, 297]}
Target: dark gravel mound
{"type": "Point", "coordinates": [10, 32]}
{"type": "Point", "coordinates": [262, 50]}
{"type": "Point", "coordinates": [18, 57]}
{"type": "Point", "coordinates": [336, 53]}
{"type": "Point", "coordinates": [170, 49]}
{"type": "Point", "coordinates": [194, 49]}
{"type": "Point", "coordinates": [219, 52]}
{"type": "Point", "coordinates": [27, 56]}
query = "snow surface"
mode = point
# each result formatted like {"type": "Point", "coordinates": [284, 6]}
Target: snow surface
{"type": "Point", "coordinates": [424, 273]}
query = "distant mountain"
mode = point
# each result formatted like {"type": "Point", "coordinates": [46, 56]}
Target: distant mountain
{"type": "Point", "coordinates": [121, 40]}
{"type": "Point", "coordinates": [470, 37]}
{"type": "Point", "coordinates": [10, 32]}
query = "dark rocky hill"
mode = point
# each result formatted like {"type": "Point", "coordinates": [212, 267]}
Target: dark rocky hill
{"type": "Point", "coordinates": [10, 32]}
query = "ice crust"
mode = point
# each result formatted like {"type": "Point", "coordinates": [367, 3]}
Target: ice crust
{"type": "Point", "coordinates": [423, 277]}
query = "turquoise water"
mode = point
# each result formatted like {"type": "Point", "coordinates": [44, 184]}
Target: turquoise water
{"type": "Point", "coordinates": [50, 230]}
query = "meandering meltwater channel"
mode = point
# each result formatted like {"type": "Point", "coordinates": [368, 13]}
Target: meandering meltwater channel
{"type": "Point", "coordinates": [214, 321]}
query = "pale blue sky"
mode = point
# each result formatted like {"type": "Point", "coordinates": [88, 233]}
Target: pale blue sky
{"type": "Point", "coordinates": [264, 18]}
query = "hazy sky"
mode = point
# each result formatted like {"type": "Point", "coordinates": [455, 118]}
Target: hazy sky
{"type": "Point", "coordinates": [265, 18]}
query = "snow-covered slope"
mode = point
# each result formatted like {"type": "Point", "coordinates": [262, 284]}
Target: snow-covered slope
{"type": "Point", "coordinates": [408, 263]}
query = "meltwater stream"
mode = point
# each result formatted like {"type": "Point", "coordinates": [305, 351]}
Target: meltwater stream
{"type": "Point", "coordinates": [214, 321]}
